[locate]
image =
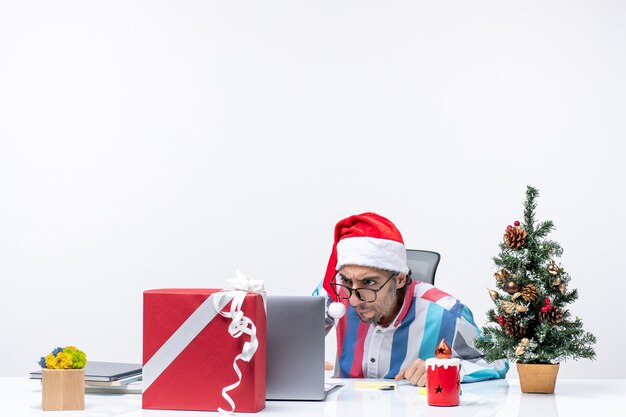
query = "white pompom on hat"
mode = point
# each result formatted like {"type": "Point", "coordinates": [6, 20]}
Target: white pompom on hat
{"type": "Point", "coordinates": [366, 239]}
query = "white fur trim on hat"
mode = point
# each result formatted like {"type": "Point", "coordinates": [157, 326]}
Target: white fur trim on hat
{"type": "Point", "coordinates": [374, 252]}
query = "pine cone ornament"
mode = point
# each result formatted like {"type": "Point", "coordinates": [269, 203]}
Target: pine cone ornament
{"type": "Point", "coordinates": [529, 292]}
{"type": "Point", "coordinates": [553, 315]}
{"type": "Point", "coordinates": [512, 328]}
{"type": "Point", "coordinates": [515, 237]}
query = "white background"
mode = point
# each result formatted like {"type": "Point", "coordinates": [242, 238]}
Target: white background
{"type": "Point", "coordinates": [165, 144]}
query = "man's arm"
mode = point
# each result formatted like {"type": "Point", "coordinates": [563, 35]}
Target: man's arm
{"type": "Point", "coordinates": [474, 367]}
{"type": "Point", "coordinates": [329, 322]}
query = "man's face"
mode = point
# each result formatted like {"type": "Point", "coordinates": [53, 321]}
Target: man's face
{"type": "Point", "coordinates": [365, 277]}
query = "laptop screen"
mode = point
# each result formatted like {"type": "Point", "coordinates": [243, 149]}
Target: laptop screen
{"type": "Point", "coordinates": [295, 348]}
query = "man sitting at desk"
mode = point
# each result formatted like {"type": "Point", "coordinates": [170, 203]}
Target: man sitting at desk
{"type": "Point", "coordinates": [387, 324]}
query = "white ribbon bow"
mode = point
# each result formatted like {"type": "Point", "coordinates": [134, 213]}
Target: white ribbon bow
{"type": "Point", "coordinates": [241, 282]}
{"type": "Point", "coordinates": [239, 325]}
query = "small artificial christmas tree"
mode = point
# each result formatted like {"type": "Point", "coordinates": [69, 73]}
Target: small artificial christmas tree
{"type": "Point", "coordinates": [532, 323]}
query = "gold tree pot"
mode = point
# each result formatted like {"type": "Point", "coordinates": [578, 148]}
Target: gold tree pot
{"type": "Point", "coordinates": [537, 378]}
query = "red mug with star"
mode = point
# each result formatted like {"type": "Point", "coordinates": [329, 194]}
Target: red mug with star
{"type": "Point", "coordinates": [443, 378]}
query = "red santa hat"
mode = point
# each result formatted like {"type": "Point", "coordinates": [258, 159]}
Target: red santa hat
{"type": "Point", "coordinates": [366, 239]}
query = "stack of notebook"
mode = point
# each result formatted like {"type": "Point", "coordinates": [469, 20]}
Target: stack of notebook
{"type": "Point", "coordinates": [109, 377]}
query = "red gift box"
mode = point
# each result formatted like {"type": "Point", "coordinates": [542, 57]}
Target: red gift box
{"type": "Point", "coordinates": [188, 352]}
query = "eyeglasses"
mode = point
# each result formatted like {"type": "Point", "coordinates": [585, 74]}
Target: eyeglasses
{"type": "Point", "coordinates": [367, 295]}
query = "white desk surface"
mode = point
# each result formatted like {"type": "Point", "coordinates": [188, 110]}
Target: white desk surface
{"type": "Point", "coordinates": [573, 397]}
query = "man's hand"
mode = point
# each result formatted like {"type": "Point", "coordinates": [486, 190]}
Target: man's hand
{"type": "Point", "coordinates": [328, 366]}
{"type": "Point", "coordinates": [415, 373]}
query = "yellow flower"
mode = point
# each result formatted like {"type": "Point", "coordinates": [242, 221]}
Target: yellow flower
{"type": "Point", "coordinates": [64, 358]}
{"type": "Point", "coordinates": [61, 361]}
{"type": "Point", "coordinates": [50, 360]}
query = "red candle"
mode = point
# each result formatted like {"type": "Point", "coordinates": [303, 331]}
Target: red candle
{"type": "Point", "coordinates": [443, 379]}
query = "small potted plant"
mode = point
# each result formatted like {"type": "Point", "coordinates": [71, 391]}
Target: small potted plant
{"type": "Point", "coordinates": [63, 379]}
{"type": "Point", "coordinates": [530, 323]}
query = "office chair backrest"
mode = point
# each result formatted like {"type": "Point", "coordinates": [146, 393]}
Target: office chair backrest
{"type": "Point", "coordinates": [423, 264]}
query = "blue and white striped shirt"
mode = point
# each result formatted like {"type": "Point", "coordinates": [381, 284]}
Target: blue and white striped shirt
{"type": "Point", "coordinates": [427, 316]}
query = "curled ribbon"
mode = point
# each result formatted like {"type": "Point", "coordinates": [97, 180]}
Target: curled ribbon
{"type": "Point", "coordinates": [240, 325]}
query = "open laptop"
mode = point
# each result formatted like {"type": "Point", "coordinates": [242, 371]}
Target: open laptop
{"type": "Point", "coordinates": [295, 348]}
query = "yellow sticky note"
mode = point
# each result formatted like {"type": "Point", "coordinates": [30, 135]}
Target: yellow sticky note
{"type": "Point", "coordinates": [375, 384]}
